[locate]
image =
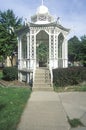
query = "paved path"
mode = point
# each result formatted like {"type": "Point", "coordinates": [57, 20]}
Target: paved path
{"type": "Point", "coordinates": [74, 104]}
{"type": "Point", "coordinates": [49, 111]}
{"type": "Point", "coordinates": [44, 111]}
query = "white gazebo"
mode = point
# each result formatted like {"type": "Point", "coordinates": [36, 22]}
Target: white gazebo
{"type": "Point", "coordinates": [42, 29]}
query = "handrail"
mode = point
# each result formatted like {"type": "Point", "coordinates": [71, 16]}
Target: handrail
{"type": "Point", "coordinates": [51, 74]}
{"type": "Point", "coordinates": [34, 74]}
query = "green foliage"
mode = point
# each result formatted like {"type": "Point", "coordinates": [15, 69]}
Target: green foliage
{"type": "Point", "coordinates": [73, 49]}
{"type": "Point", "coordinates": [79, 88]}
{"type": "Point", "coordinates": [8, 39]}
{"type": "Point", "coordinates": [75, 122]}
{"type": "Point", "coordinates": [77, 49]}
{"type": "Point", "coordinates": [10, 73]}
{"type": "Point", "coordinates": [42, 52]}
{"type": "Point", "coordinates": [82, 55]}
{"type": "Point", "coordinates": [69, 76]}
{"type": "Point", "coordinates": [1, 74]}
{"type": "Point", "coordinates": [12, 103]}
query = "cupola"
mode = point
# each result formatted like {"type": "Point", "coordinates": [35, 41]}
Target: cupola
{"type": "Point", "coordinates": [42, 16]}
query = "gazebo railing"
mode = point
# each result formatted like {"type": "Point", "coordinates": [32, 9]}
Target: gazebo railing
{"type": "Point", "coordinates": [51, 76]}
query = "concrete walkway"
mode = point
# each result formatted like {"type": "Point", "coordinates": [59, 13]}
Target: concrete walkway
{"type": "Point", "coordinates": [74, 104]}
{"type": "Point", "coordinates": [44, 111]}
{"type": "Point", "coordinates": [49, 111]}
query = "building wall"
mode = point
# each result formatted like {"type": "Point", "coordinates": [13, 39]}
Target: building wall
{"type": "Point", "coordinates": [8, 62]}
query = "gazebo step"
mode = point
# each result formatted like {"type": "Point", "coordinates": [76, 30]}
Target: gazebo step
{"type": "Point", "coordinates": [41, 85]}
{"type": "Point", "coordinates": [42, 80]}
{"type": "Point", "coordinates": [42, 88]}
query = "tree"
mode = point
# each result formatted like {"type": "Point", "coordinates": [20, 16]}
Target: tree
{"type": "Point", "coordinates": [77, 49]}
{"type": "Point", "coordinates": [73, 49]}
{"type": "Point", "coordinates": [82, 55]}
{"type": "Point", "coordinates": [8, 40]}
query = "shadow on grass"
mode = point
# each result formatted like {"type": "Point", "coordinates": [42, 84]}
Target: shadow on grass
{"type": "Point", "coordinates": [2, 106]}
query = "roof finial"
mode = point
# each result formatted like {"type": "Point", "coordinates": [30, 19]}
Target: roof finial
{"type": "Point", "coordinates": [42, 2]}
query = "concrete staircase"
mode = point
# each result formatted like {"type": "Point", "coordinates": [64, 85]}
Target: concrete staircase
{"type": "Point", "coordinates": [42, 80]}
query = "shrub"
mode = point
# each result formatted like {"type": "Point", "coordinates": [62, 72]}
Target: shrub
{"type": "Point", "coordinates": [1, 74]}
{"type": "Point", "coordinates": [10, 73]}
{"type": "Point", "coordinates": [69, 76]}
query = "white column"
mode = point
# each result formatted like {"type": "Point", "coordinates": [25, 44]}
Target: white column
{"type": "Point", "coordinates": [65, 53]}
{"type": "Point", "coordinates": [28, 57]}
{"type": "Point", "coordinates": [28, 51]}
{"type": "Point", "coordinates": [55, 51]}
{"type": "Point", "coordinates": [19, 58]}
{"type": "Point", "coordinates": [54, 47]}
{"type": "Point", "coordinates": [34, 51]}
{"type": "Point", "coordinates": [50, 62]}
{"type": "Point", "coordinates": [31, 56]}
{"type": "Point", "coordinates": [19, 52]}
{"type": "Point", "coordinates": [31, 52]}
{"type": "Point", "coordinates": [51, 57]}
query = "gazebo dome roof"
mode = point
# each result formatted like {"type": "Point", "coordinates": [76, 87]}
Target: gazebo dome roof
{"type": "Point", "coordinates": [42, 16]}
{"type": "Point", "coordinates": [42, 10]}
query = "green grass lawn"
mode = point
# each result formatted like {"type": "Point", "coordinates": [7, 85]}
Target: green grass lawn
{"type": "Point", "coordinates": [79, 88]}
{"type": "Point", "coordinates": [12, 104]}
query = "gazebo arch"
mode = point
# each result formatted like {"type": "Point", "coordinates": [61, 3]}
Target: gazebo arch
{"type": "Point", "coordinates": [42, 49]}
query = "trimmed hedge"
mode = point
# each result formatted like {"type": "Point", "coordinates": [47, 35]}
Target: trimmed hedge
{"type": "Point", "coordinates": [69, 76]}
{"type": "Point", "coordinates": [10, 73]}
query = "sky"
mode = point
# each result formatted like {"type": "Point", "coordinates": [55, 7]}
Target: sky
{"type": "Point", "coordinates": [72, 13]}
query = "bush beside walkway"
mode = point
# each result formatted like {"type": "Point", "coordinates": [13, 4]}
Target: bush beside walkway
{"type": "Point", "coordinates": [69, 76]}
